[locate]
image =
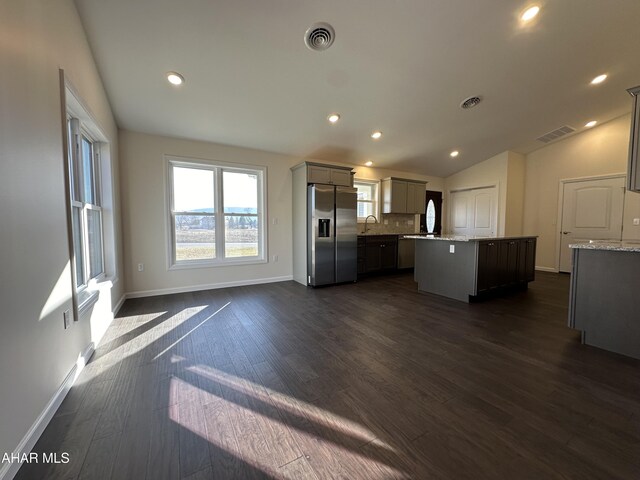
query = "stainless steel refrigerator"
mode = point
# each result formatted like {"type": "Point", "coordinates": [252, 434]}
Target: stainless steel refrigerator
{"type": "Point", "coordinates": [332, 235]}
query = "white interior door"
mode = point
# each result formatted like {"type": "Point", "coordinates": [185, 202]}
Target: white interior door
{"type": "Point", "coordinates": [591, 210]}
{"type": "Point", "coordinates": [474, 212]}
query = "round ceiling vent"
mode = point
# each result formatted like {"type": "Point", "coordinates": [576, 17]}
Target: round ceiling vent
{"type": "Point", "coordinates": [470, 102]}
{"type": "Point", "coordinates": [319, 36]}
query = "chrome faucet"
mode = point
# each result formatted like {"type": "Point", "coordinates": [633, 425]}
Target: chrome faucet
{"type": "Point", "coordinates": [366, 220]}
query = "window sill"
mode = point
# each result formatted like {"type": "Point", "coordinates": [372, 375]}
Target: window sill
{"type": "Point", "coordinates": [86, 299]}
{"type": "Point", "coordinates": [89, 296]}
{"type": "Point", "coordinates": [229, 263]}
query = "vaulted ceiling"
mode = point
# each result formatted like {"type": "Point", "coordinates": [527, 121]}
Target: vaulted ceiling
{"type": "Point", "coordinates": [399, 66]}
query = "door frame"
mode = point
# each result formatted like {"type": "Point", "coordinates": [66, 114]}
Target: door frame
{"type": "Point", "coordinates": [561, 184]}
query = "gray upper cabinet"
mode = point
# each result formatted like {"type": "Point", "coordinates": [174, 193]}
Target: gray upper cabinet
{"type": "Point", "coordinates": [633, 174]}
{"type": "Point", "coordinates": [416, 197]}
{"type": "Point", "coordinates": [403, 196]}
{"type": "Point", "coordinates": [329, 175]}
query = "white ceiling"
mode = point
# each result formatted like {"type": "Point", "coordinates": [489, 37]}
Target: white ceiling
{"type": "Point", "coordinates": [401, 66]}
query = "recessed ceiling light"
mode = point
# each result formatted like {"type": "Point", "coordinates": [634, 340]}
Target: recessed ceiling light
{"type": "Point", "coordinates": [590, 124]}
{"type": "Point", "coordinates": [333, 118]}
{"type": "Point", "coordinates": [368, 163]}
{"type": "Point", "coordinates": [175, 78]}
{"type": "Point", "coordinates": [599, 79]}
{"type": "Point", "coordinates": [376, 135]}
{"type": "Point", "coordinates": [530, 13]}
{"type": "Point", "coordinates": [454, 154]}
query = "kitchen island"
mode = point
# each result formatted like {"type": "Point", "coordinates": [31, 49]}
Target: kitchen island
{"type": "Point", "coordinates": [466, 268]}
{"type": "Point", "coordinates": [604, 302]}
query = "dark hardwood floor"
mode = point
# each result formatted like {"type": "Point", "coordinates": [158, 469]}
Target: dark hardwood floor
{"type": "Point", "coordinates": [364, 381]}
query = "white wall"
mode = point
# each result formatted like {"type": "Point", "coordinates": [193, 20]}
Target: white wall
{"type": "Point", "coordinates": [145, 218]}
{"type": "Point", "coordinates": [514, 200]}
{"type": "Point", "coordinates": [601, 150]}
{"type": "Point", "coordinates": [36, 39]}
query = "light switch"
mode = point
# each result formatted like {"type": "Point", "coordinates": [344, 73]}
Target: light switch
{"type": "Point", "coordinates": [636, 221]}
{"type": "Point", "coordinates": [452, 249]}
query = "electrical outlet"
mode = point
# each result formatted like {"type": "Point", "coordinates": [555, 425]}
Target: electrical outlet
{"type": "Point", "coordinates": [275, 258]}
{"type": "Point", "coordinates": [274, 221]}
{"type": "Point", "coordinates": [66, 316]}
{"type": "Point", "coordinates": [452, 249]}
{"type": "Point", "coordinates": [410, 222]}
{"type": "Point", "coordinates": [636, 221]}
{"type": "Point", "coordinates": [141, 267]}
{"type": "Point", "coordinates": [386, 222]}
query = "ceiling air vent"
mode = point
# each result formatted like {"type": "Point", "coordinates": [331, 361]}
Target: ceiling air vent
{"type": "Point", "coordinates": [319, 36]}
{"type": "Point", "coordinates": [470, 102]}
{"type": "Point", "coordinates": [557, 133]}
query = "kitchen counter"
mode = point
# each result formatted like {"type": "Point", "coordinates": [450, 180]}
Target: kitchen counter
{"type": "Point", "coordinates": [385, 234]}
{"type": "Point", "coordinates": [465, 268]}
{"type": "Point", "coordinates": [624, 246]}
{"type": "Point", "coordinates": [604, 301]}
{"type": "Point", "coordinates": [462, 238]}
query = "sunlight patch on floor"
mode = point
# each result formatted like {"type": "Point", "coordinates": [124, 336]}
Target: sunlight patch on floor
{"type": "Point", "coordinates": [291, 405]}
{"type": "Point", "coordinates": [191, 331]}
{"type": "Point", "coordinates": [254, 442]}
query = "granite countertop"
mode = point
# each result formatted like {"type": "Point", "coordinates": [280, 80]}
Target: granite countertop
{"type": "Point", "coordinates": [465, 238]}
{"type": "Point", "coordinates": [377, 234]}
{"type": "Point", "coordinates": [624, 246]}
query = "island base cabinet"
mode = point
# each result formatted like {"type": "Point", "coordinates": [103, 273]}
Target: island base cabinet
{"type": "Point", "coordinates": [603, 304]}
{"type": "Point", "coordinates": [505, 263]}
{"type": "Point", "coordinates": [487, 266]}
{"type": "Point", "coordinates": [470, 269]}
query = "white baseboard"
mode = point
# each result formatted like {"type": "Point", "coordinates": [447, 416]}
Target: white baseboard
{"type": "Point", "coordinates": [211, 286]}
{"type": "Point", "coordinates": [119, 305]}
{"type": "Point", "coordinates": [9, 470]}
{"type": "Point", "coordinates": [547, 269]}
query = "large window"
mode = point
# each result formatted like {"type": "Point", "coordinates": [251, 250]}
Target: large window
{"type": "Point", "coordinates": [216, 213]}
{"type": "Point", "coordinates": [86, 204]}
{"type": "Point", "coordinates": [367, 198]}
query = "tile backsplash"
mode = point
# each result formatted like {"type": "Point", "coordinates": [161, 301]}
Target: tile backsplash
{"type": "Point", "coordinates": [395, 223]}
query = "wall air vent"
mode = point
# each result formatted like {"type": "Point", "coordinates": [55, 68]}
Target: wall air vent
{"type": "Point", "coordinates": [319, 36]}
{"type": "Point", "coordinates": [557, 133]}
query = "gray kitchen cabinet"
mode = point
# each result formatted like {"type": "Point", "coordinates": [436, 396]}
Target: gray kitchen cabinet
{"type": "Point", "coordinates": [401, 195]}
{"type": "Point", "coordinates": [505, 262]}
{"type": "Point", "coordinates": [464, 269]}
{"type": "Point", "coordinates": [381, 253]}
{"type": "Point", "coordinates": [416, 198]}
{"type": "Point", "coordinates": [527, 260]}
{"type": "Point", "coordinates": [329, 175]}
{"type": "Point", "coordinates": [394, 196]}
{"type": "Point", "coordinates": [633, 173]}
{"type": "Point", "coordinates": [362, 255]}
{"type": "Point", "coordinates": [406, 253]}
{"type": "Point", "coordinates": [603, 299]}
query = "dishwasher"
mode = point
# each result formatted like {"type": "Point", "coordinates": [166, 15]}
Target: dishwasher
{"type": "Point", "coordinates": [406, 252]}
